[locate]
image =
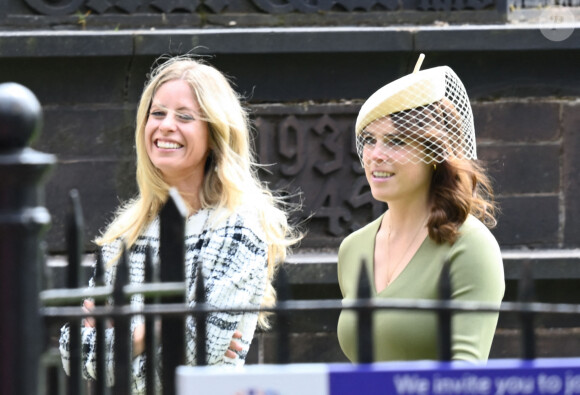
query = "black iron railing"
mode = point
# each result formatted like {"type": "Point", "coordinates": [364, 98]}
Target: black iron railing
{"type": "Point", "coordinates": [167, 304]}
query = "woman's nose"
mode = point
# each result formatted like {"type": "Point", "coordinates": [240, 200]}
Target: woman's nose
{"type": "Point", "coordinates": [167, 124]}
{"type": "Point", "coordinates": [379, 153]}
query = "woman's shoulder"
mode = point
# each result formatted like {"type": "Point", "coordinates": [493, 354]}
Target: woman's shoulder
{"type": "Point", "coordinates": [477, 261]}
{"type": "Point", "coordinates": [244, 217]}
{"type": "Point", "coordinates": [476, 242]}
{"type": "Point", "coordinates": [473, 230]}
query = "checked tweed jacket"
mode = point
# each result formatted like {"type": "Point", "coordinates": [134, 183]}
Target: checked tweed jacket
{"type": "Point", "coordinates": [233, 252]}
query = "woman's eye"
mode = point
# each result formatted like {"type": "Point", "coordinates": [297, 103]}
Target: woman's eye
{"type": "Point", "coordinates": [396, 142]}
{"type": "Point", "coordinates": [157, 113]}
{"type": "Point", "coordinates": [185, 117]}
{"type": "Point", "coordinates": [368, 140]}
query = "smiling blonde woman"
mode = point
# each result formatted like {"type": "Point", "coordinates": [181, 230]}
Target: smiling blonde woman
{"type": "Point", "coordinates": [193, 134]}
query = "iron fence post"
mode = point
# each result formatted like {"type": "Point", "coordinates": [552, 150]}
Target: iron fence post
{"type": "Point", "coordinates": [74, 242]}
{"type": "Point", "coordinates": [123, 336]}
{"type": "Point", "coordinates": [200, 319]}
{"type": "Point", "coordinates": [151, 276]}
{"type": "Point", "coordinates": [172, 219]}
{"type": "Point", "coordinates": [365, 318]}
{"type": "Point", "coordinates": [526, 295]}
{"type": "Point", "coordinates": [23, 221]}
{"type": "Point", "coordinates": [283, 318]}
{"type": "Point", "coordinates": [444, 316]}
{"type": "Point", "coordinates": [100, 325]}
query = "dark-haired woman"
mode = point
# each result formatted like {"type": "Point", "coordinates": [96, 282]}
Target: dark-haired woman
{"type": "Point", "coordinates": [416, 142]}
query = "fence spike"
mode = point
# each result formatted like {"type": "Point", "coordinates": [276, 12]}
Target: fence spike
{"type": "Point", "coordinates": [74, 242]}
{"type": "Point", "coordinates": [99, 272]}
{"type": "Point", "coordinates": [171, 238]}
{"type": "Point", "coordinates": [282, 286]}
{"type": "Point", "coordinates": [122, 344]}
{"type": "Point", "coordinates": [74, 381]}
{"type": "Point", "coordinates": [150, 343]}
{"type": "Point", "coordinates": [149, 276]}
{"type": "Point", "coordinates": [444, 316]}
{"type": "Point", "coordinates": [172, 268]}
{"type": "Point", "coordinates": [200, 319]}
{"type": "Point", "coordinates": [74, 239]}
{"type": "Point", "coordinates": [121, 277]}
{"type": "Point", "coordinates": [526, 295]}
{"type": "Point", "coordinates": [101, 382]}
{"type": "Point", "coordinates": [365, 317]}
{"type": "Point", "coordinates": [100, 327]}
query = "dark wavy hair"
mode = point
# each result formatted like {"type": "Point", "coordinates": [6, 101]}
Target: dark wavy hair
{"type": "Point", "coordinates": [459, 187]}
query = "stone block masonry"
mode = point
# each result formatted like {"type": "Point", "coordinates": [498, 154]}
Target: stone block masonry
{"type": "Point", "coordinates": [311, 150]}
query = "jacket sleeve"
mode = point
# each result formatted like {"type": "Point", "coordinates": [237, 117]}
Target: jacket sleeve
{"type": "Point", "coordinates": [88, 347]}
{"type": "Point", "coordinates": [234, 259]}
{"type": "Point", "coordinates": [88, 334]}
{"type": "Point", "coordinates": [88, 354]}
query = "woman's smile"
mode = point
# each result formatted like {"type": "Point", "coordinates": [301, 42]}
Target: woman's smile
{"type": "Point", "coordinates": [167, 145]}
{"type": "Point", "coordinates": [382, 175]}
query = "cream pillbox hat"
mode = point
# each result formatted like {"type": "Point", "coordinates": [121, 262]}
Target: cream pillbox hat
{"type": "Point", "coordinates": [413, 90]}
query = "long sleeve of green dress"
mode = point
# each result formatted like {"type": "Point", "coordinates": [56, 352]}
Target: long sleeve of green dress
{"type": "Point", "coordinates": [476, 275]}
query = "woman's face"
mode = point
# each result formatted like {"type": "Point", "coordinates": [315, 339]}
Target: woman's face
{"type": "Point", "coordinates": [389, 161]}
{"type": "Point", "coordinates": [176, 138]}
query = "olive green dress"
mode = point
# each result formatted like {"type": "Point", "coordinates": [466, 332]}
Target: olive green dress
{"type": "Point", "coordinates": [476, 275]}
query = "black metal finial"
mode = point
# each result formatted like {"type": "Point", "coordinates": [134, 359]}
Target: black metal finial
{"type": "Point", "coordinates": [200, 319]}
{"type": "Point", "coordinates": [20, 116]}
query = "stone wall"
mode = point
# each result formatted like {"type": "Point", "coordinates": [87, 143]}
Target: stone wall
{"type": "Point", "coordinates": [303, 107]}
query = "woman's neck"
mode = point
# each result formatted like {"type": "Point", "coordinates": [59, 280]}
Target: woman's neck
{"type": "Point", "coordinates": [404, 216]}
{"type": "Point", "coordinates": [190, 193]}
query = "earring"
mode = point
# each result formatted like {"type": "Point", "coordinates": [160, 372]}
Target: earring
{"type": "Point", "coordinates": [434, 166]}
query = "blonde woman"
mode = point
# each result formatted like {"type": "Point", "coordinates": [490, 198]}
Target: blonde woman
{"type": "Point", "coordinates": [416, 142]}
{"type": "Point", "coordinates": [193, 134]}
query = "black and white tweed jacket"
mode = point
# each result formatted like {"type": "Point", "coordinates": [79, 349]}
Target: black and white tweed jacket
{"type": "Point", "coordinates": [234, 257]}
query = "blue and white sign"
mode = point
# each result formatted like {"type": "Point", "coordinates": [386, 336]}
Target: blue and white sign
{"type": "Point", "coordinates": [497, 377]}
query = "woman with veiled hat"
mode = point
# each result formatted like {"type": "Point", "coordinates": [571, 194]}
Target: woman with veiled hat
{"type": "Point", "coordinates": [416, 142]}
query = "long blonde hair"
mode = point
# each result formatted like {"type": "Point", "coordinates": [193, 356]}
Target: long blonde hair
{"type": "Point", "coordinates": [230, 178]}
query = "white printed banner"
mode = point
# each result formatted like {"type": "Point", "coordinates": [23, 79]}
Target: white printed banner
{"type": "Point", "coordinates": [302, 379]}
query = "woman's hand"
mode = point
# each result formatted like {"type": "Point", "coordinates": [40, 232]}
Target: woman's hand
{"type": "Point", "coordinates": [138, 340]}
{"type": "Point", "coordinates": [88, 306]}
{"type": "Point", "coordinates": [138, 334]}
{"type": "Point", "coordinates": [234, 345]}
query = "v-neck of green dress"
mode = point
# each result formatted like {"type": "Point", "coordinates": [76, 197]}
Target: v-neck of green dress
{"type": "Point", "coordinates": [412, 266]}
